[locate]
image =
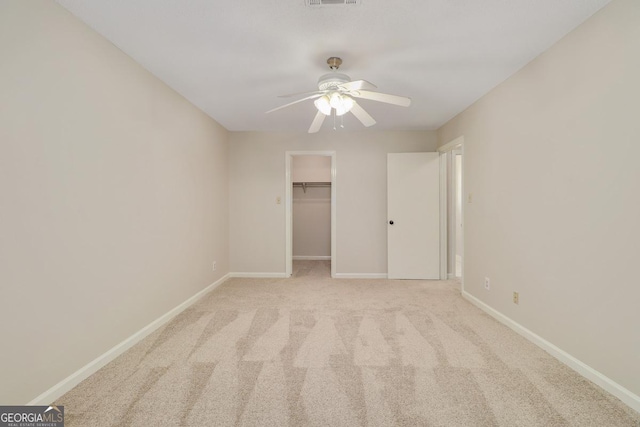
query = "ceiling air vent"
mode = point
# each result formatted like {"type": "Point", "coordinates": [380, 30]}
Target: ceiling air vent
{"type": "Point", "coordinates": [333, 2]}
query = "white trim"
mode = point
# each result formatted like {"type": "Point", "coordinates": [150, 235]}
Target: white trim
{"type": "Point", "coordinates": [334, 215]}
{"type": "Point", "coordinates": [288, 216]}
{"type": "Point", "coordinates": [463, 219]}
{"type": "Point", "coordinates": [448, 148]}
{"type": "Point", "coordinates": [450, 276]}
{"type": "Point", "coordinates": [451, 144]}
{"type": "Point", "coordinates": [457, 152]}
{"type": "Point", "coordinates": [443, 215]}
{"type": "Point", "coordinates": [252, 275]}
{"type": "Point", "coordinates": [626, 396]}
{"type": "Point", "coordinates": [361, 275]}
{"type": "Point", "coordinates": [92, 367]}
{"type": "Point", "coordinates": [451, 208]}
{"type": "Point", "coordinates": [311, 257]}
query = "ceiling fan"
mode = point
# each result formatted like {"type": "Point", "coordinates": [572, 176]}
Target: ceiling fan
{"type": "Point", "coordinates": [336, 93]}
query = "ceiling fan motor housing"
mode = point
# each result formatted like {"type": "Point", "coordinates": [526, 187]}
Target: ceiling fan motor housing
{"type": "Point", "coordinates": [332, 80]}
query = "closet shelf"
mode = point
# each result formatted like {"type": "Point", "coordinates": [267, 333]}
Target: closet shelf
{"type": "Point", "coordinates": [304, 185]}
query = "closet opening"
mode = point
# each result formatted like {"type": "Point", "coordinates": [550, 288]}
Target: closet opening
{"type": "Point", "coordinates": [310, 208]}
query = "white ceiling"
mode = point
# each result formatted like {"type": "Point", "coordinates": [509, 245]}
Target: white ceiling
{"type": "Point", "coordinates": [233, 58]}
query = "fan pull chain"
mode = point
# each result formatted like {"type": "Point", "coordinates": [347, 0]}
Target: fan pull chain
{"type": "Point", "coordinates": [334, 119]}
{"type": "Point", "coordinates": [342, 121]}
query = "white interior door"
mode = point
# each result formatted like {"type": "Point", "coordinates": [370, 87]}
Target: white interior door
{"type": "Point", "coordinates": [413, 215]}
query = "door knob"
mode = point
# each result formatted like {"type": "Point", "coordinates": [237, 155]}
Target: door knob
{"type": "Point", "coordinates": [391, 222]}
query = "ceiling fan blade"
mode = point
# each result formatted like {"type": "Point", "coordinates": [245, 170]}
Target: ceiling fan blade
{"type": "Point", "coordinates": [357, 85]}
{"type": "Point", "coordinates": [294, 102]}
{"type": "Point", "coordinates": [317, 122]}
{"type": "Point", "coordinates": [383, 97]}
{"type": "Point", "coordinates": [302, 93]}
{"type": "Point", "coordinates": [362, 115]}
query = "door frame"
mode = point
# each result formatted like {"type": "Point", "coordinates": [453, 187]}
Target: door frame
{"type": "Point", "coordinates": [288, 200]}
{"type": "Point", "coordinates": [447, 187]}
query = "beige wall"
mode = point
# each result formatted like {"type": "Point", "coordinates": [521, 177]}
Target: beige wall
{"type": "Point", "coordinates": [114, 195]}
{"type": "Point", "coordinates": [257, 177]}
{"type": "Point", "coordinates": [551, 158]}
{"type": "Point", "coordinates": [311, 169]}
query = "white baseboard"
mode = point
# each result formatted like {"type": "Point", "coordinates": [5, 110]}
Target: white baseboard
{"type": "Point", "coordinates": [259, 275]}
{"type": "Point", "coordinates": [629, 398]}
{"type": "Point", "coordinates": [311, 258]}
{"type": "Point", "coordinates": [449, 276]}
{"type": "Point", "coordinates": [92, 367]}
{"type": "Point", "coordinates": [361, 275]}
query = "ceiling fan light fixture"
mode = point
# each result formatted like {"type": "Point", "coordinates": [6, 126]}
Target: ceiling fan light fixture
{"type": "Point", "coordinates": [342, 103]}
{"type": "Point", "coordinates": [335, 100]}
{"type": "Point", "coordinates": [323, 105]}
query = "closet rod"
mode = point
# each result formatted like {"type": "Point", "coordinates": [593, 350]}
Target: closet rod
{"type": "Point", "coordinates": [304, 185]}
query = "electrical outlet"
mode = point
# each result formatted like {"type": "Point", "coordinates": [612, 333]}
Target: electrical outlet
{"type": "Point", "coordinates": [516, 298]}
{"type": "Point", "coordinates": [487, 283]}
{"type": "Point", "coordinates": [214, 266]}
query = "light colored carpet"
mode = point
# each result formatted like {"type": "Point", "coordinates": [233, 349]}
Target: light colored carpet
{"type": "Point", "coordinates": [316, 351]}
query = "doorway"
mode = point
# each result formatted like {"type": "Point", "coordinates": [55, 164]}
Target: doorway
{"type": "Point", "coordinates": [310, 208]}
